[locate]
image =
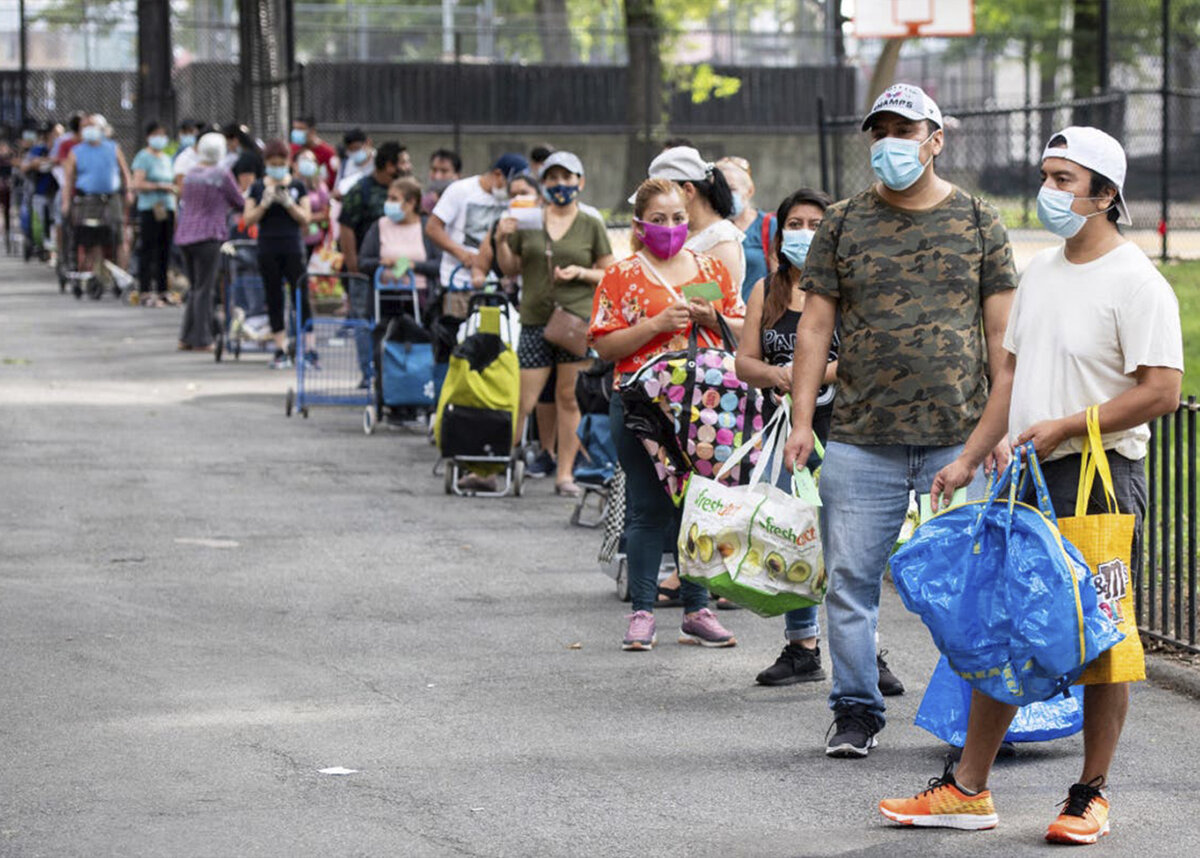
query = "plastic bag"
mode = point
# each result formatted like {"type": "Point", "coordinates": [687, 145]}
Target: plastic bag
{"type": "Point", "coordinates": [1007, 600]}
{"type": "Point", "coordinates": [947, 704]}
{"type": "Point", "coordinates": [755, 544]}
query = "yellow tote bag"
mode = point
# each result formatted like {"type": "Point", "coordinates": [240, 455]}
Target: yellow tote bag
{"type": "Point", "coordinates": [1106, 542]}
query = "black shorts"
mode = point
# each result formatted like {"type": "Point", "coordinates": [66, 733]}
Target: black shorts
{"type": "Point", "coordinates": [1129, 483]}
{"type": "Point", "coordinates": [534, 352]}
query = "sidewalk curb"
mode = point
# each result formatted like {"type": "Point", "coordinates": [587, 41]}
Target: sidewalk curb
{"type": "Point", "coordinates": [1173, 676]}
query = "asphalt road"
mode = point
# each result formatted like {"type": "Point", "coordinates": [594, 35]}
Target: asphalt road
{"type": "Point", "coordinates": [204, 603]}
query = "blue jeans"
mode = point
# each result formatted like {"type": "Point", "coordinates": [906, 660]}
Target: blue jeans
{"type": "Point", "coordinates": [362, 306]}
{"type": "Point", "coordinates": [865, 494]}
{"type": "Point", "coordinates": [651, 520]}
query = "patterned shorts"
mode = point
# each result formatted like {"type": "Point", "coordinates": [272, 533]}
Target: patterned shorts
{"type": "Point", "coordinates": [534, 352]}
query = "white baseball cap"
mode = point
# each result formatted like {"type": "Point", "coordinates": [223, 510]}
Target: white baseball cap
{"type": "Point", "coordinates": [569, 161]}
{"type": "Point", "coordinates": [679, 164]}
{"type": "Point", "coordinates": [1099, 152]}
{"type": "Point", "coordinates": [908, 101]}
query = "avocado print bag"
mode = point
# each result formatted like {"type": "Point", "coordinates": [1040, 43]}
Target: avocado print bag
{"type": "Point", "coordinates": [755, 544]}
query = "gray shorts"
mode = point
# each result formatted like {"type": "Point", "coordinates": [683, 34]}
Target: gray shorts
{"type": "Point", "coordinates": [1129, 483]}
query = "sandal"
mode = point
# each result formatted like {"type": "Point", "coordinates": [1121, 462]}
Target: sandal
{"type": "Point", "coordinates": [724, 604]}
{"type": "Point", "coordinates": [669, 597]}
{"type": "Point", "coordinates": [568, 489]}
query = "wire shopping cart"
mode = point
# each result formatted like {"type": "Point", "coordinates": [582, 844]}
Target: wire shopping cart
{"type": "Point", "coordinates": [328, 367]}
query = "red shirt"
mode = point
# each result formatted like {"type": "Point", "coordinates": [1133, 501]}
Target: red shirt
{"type": "Point", "coordinates": [322, 151]}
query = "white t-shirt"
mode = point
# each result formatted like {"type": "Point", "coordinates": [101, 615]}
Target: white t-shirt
{"type": "Point", "coordinates": [186, 161]}
{"type": "Point", "coordinates": [1079, 333]}
{"type": "Point", "coordinates": [468, 211]}
{"type": "Point", "coordinates": [714, 234]}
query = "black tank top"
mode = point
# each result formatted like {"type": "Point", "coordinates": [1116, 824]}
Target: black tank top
{"type": "Point", "coordinates": [779, 349]}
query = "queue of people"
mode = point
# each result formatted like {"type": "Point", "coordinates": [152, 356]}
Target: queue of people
{"type": "Point", "coordinates": [895, 320]}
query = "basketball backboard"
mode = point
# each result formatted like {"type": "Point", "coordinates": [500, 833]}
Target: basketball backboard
{"type": "Point", "coordinates": [875, 19]}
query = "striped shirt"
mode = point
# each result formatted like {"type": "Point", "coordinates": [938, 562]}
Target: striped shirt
{"type": "Point", "coordinates": [209, 194]}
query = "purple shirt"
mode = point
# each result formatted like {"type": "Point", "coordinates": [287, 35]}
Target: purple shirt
{"type": "Point", "coordinates": [209, 194]}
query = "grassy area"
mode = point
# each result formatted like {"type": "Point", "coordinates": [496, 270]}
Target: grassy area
{"type": "Point", "coordinates": [1185, 277]}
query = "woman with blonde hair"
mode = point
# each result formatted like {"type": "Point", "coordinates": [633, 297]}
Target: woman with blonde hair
{"type": "Point", "coordinates": [639, 311]}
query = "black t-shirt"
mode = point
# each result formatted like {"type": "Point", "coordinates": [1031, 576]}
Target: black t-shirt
{"type": "Point", "coordinates": [277, 226]}
{"type": "Point", "coordinates": [249, 162]}
{"type": "Point", "coordinates": [779, 347]}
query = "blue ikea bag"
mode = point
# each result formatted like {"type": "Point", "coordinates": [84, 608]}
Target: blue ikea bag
{"type": "Point", "coordinates": [947, 704]}
{"type": "Point", "coordinates": [1008, 601]}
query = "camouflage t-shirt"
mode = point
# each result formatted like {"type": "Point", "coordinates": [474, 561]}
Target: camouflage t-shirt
{"type": "Point", "coordinates": [910, 286]}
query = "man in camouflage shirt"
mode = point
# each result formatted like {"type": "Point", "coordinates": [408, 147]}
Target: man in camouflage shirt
{"type": "Point", "coordinates": [922, 275]}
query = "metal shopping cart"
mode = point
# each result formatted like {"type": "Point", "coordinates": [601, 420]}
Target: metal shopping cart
{"type": "Point", "coordinates": [328, 370]}
{"type": "Point", "coordinates": [242, 313]}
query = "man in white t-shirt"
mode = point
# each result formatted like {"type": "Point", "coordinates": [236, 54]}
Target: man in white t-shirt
{"type": "Point", "coordinates": [465, 212]}
{"type": "Point", "coordinates": [187, 158]}
{"type": "Point", "coordinates": [1093, 323]}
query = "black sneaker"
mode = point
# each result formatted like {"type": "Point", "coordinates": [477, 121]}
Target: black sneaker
{"type": "Point", "coordinates": [542, 466]}
{"type": "Point", "coordinates": [853, 730]}
{"type": "Point", "coordinates": [889, 685]}
{"type": "Point", "coordinates": [795, 664]}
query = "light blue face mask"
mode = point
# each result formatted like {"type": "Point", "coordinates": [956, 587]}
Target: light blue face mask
{"type": "Point", "coordinates": [394, 211]}
{"type": "Point", "coordinates": [92, 134]}
{"type": "Point", "coordinates": [739, 205]}
{"type": "Point", "coordinates": [186, 140]}
{"type": "Point", "coordinates": [795, 245]}
{"type": "Point", "coordinates": [157, 142]}
{"type": "Point", "coordinates": [897, 161]}
{"type": "Point", "coordinates": [277, 173]}
{"type": "Point", "coordinates": [360, 157]}
{"type": "Point", "coordinates": [1055, 212]}
{"type": "Point", "coordinates": [299, 137]}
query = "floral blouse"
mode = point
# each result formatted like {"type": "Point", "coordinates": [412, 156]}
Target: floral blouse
{"type": "Point", "coordinates": [631, 292]}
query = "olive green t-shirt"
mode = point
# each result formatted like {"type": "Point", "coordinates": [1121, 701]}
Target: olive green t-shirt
{"type": "Point", "coordinates": [583, 243]}
{"type": "Point", "coordinates": [910, 287]}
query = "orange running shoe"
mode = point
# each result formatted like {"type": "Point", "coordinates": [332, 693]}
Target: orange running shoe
{"type": "Point", "coordinates": [1085, 815]}
{"type": "Point", "coordinates": [943, 805]}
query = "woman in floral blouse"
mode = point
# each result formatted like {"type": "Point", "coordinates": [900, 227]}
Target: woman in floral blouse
{"type": "Point", "coordinates": [639, 311]}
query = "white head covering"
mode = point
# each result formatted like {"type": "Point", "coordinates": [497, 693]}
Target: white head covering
{"type": "Point", "coordinates": [211, 148]}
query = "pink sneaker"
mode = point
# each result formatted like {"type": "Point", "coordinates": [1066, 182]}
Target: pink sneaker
{"type": "Point", "coordinates": [704, 629]}
{"type": "Point", "coordinates": [641, 632]}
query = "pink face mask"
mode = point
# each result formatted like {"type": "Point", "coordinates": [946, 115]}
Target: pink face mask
{"type": "Point", "coordinates": [663, 241]}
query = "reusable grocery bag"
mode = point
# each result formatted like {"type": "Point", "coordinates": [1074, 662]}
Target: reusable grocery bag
{"type": "Point", "coordinates": [1007, 600]}
{"type": "Point", "coordinates": [1106, 541]}
{"type": "Point", "coordinates": [406, 362]}
{"type": "Point", "coordinates": [691, 411]}
{"type": "Point", "coordinates": [947, 704]}
{"type": "Point", "coordinates": [755, 544]}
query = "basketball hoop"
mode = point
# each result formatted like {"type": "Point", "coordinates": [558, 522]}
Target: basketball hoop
{"type": "Point", "coordinates": [912, 15]}
{"type": "Point", "coordinates": [895, 19]}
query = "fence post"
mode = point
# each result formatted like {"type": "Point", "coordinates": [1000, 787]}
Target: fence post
{"type": "Point", "coordinates": [458, 92]}
{"type": "Point", "coordinates": [1164, 183]}
{"type": "Point", "coordinates": [1191, 500]}
{"type": "Point", "coordinates": [24, 66]}
{"type": "Point", "coordinates": [1177, 515]}
{"type": "Point", "coordinates": [1165, 526]}
{"type": "Point", "coordinates": [1150, 562]}
{"type": "Point", "coordinates": [821, 146]}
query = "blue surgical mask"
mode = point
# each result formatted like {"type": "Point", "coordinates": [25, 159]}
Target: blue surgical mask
{"type": "Point", "coordinates": [360, 157]}
{"type": "Point", "coordinates": [1055, 212]}
{"type": "Point", "coordinates": [157, 142]}
{"type": "Point", "coordinates": [277, 173]}
{"type": "Point", "coordinates": [394, 211]}
{"type": "Point", "coordinates": [299, 137]}
{"type": "Point", "coordinates": [92, 134]}
{"type": "Point", "coordinates": [897, 161]}
{"type": "Point", "coordinates": [795, 245]}
{"type": "Point", "coordinates": [29, 136]}
{"type": "Point", "coordinates": [739, 205]}
{"type": "Point", "coordinates": [560, 195]}
{"type": "Point", "coordinates": [307, 168]}
{"type": "Point", "coordinates": [186, 140]}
